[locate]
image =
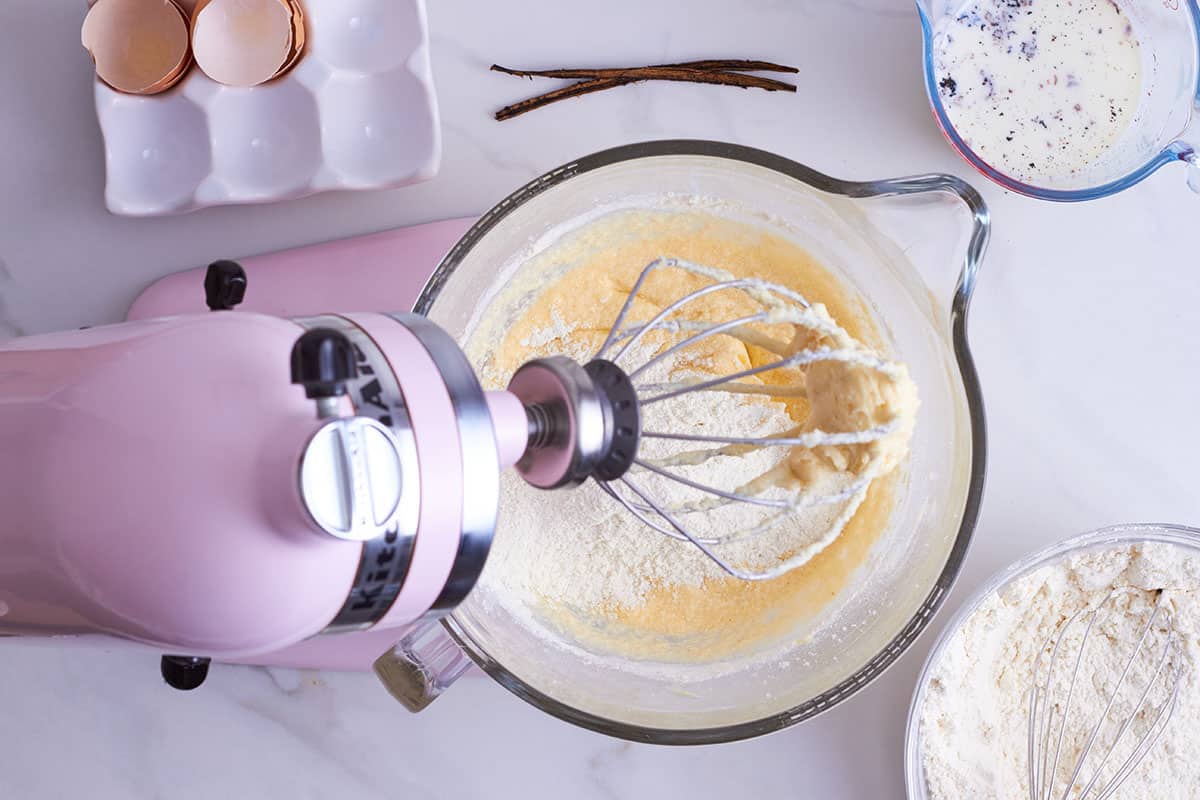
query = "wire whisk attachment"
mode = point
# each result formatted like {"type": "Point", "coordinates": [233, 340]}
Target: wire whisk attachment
{"type": "Point", "coordinates": [746, 414]}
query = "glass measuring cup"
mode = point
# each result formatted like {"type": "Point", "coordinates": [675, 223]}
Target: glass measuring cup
{"type": "Point", "coordinates": [1168, 32]}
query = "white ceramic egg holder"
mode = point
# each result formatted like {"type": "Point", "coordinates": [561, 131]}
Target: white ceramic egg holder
{"type": "Point", "coordinates": [358, 112]}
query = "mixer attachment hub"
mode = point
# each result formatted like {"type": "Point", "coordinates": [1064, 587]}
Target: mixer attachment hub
{"type": "Point", "coordinates": [584, 421]}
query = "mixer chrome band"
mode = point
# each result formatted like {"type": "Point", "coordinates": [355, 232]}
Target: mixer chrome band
{"type": "Point", "coordinates": [385, 559]}
{"type": "Point", "coordinates": [479, 456]}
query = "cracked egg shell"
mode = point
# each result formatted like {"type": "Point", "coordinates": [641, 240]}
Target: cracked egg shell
{"type": "Point", "coordinates": [138, 46]}
{"type": "Point", "coordinates": [299, 38]}
{"type": "Point", "coordinates": [243, 42]}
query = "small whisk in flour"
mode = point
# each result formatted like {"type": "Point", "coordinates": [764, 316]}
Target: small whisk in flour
{"type": "Point", "coordinates": [1125, 621]}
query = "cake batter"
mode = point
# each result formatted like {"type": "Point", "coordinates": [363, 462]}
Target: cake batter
{"type": "Point", "coordinates": [583, 565]}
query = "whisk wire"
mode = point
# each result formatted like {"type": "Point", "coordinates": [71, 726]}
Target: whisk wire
{"type": "Point", "coordinates": [700, 487]}
{"type": "Point", "coordinates": [772, 390]}
{"type": "Point", "coordinates": [1043, 770]}
{"type": "Point", "coordinates": [640, 510]}
{"type": "Point", "coordinates": [1039, 725]}
{"type": "Point", "coordinates": [801, 359]}
{"type": "Point", "coordinates": [698, 542]}
{"type": "Point", "coordinates": [1108, 709]}
{"type": "Point", "coordinates": [1157, 727]}
{"type": "Point", "coordinates": [656, 321]}
{"type": "Point", "coordinates": [1050, 717]}
{"type": "Point", "coordinates": [615, 330]}
{"type": "Point", "coordinates": [707, 333]}
{"type": "Point", "coordinates": [809, 439]}
{"type": "Point", "coordinates": [1066, 712]}
{"type": "Point", "coordinates": [746, 334]}
{"type": "Point", "coordinates": [722, 281]}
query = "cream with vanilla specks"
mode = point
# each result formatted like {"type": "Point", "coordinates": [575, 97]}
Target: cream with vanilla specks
{"type": "Point", "coordinates": [1039, 89]}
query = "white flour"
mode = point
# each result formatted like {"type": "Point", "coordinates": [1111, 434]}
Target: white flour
{"type": "Point", "coordinates": [974, 720]}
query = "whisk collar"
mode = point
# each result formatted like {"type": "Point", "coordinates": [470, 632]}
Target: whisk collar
{"type": "Point", "coordinates": [584, 421]}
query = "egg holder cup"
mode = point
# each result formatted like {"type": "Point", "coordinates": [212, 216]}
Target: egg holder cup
{"type": "Point", "coordinates": [357, 112]}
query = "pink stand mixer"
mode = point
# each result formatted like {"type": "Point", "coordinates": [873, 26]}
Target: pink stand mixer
{"type": "Point", "coordinates": [208, 510]}
{"type": "Point", "coordinates": [380, 511]}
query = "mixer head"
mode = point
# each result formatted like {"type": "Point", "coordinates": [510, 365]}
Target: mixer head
{"type": "Point", "coordinates": [723, 416]}
{"type": "Point", "coordinates": [1091, 726]}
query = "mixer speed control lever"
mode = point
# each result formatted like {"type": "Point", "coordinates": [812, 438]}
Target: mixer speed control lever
{"type": "Point", "coordinates": [352, 474]}
{"type": "Point", "coordinates": [323, 363]}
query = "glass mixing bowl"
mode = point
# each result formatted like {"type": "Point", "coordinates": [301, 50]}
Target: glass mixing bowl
{"type": "Point", "coordinates": [911, 248]}
{"type": "Point", "coordinates": [1189, 538]}
{"type": "Point", "coordinates": [1169, 34]}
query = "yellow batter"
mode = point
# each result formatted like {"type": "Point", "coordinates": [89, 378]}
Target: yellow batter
{"type": "Point", "coordinates": [567, 302]}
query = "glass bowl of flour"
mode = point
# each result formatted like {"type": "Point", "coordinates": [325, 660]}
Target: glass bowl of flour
{"type": "Point", "coordinates": [597, 619]}
{"type": "Point", "coordinates": [1065, 99]}
{"type": "Point", "coordinates": [967, 726]}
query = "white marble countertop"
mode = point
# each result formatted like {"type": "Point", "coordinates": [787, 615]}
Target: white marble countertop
{"type": "Point", "coordinates": [1085, 328]}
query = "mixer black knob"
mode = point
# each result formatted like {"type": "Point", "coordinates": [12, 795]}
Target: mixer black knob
{"type": "Point", "coordinates": [224, 285]}
{"type": "Point", "coordinates": [184, 672]}
{"type": "Point", "coordinates": [322, 362]}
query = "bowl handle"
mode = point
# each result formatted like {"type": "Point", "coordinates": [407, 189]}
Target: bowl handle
{"type": "Point", "coordinates": [917, 192]}
{"type": "Point", "coordinates": [422, 665]}
{"type": "Point", "coordinates": [922, 190]}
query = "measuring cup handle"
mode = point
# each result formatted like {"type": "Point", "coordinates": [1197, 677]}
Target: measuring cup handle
{"type": "Point", "coordinates": [422, 665]}
{"type": "Point", "coordinates": [1187, 148]}
{"type": "Point", "coordinates": [1188, 155]}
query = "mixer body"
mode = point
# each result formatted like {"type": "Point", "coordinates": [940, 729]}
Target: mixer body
{"type": "Point", "coordinates": [165, 482]}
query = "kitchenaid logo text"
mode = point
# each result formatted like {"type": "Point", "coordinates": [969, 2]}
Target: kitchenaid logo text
{"type": "Point", "coordinates": [370, 392]}
{"type": "Point", "coordinates": [373, 585]}
{"type": "Point", "coordinates": [384, 562]}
